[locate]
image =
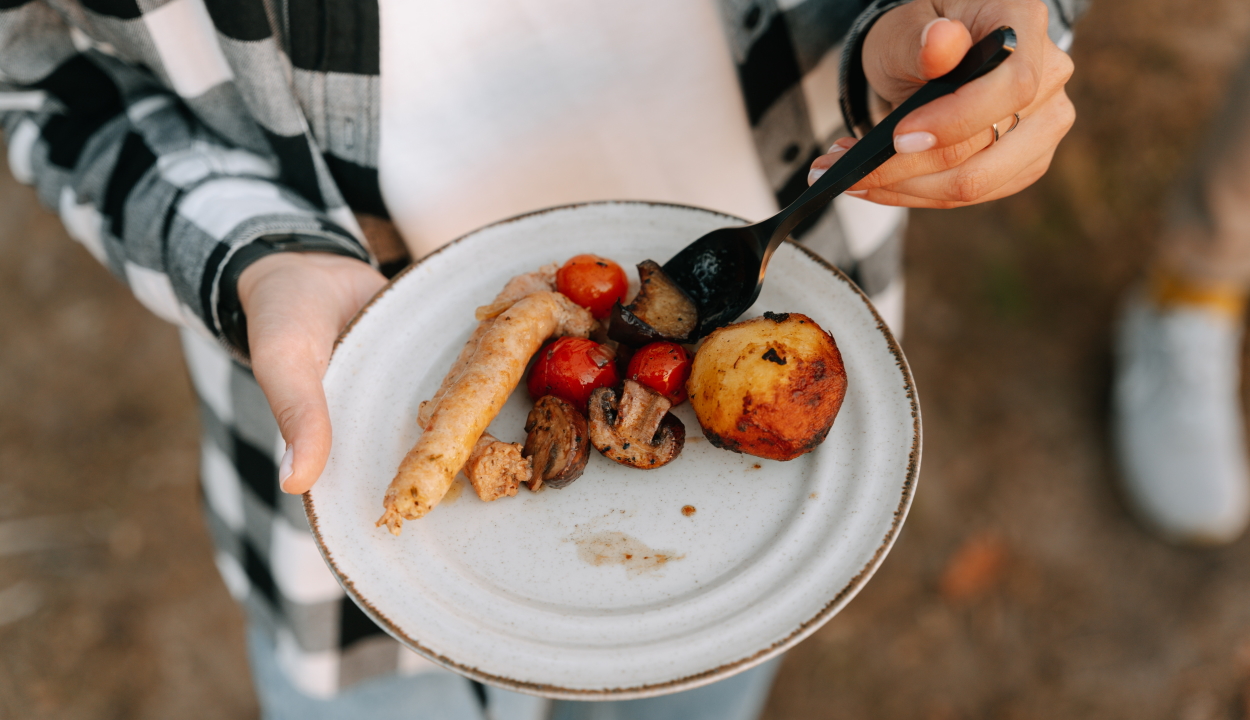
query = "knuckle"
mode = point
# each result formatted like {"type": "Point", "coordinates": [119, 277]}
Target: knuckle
{"type": "Point", "coordinates": [1034, 13]}
{"type": "Point", "coordinates": [954, 155]}
{"type": "Point", "coordinates": [1038, 12]}
{"type": "Point", "coordinates": [1028, 82]}
{"type": "Point", "coordinates": [288, 417]}
{"type": "Point", "coordinates": [1067, 113]}
{"type": "Point", "coordinates": [874, 179]}
{"type": "Point", "coordinates": [1066, 66]}
{"type": "Point", "coordinates": [1034, 174]}
{"type": "Point", "coordinates": [969, 185]}
{"type": "Point", "coordinates": [1044, 166]}
{"type": "Point", "coordinates": [1028, 13]}
{"type": "Point", "coordinates": [296, 414]}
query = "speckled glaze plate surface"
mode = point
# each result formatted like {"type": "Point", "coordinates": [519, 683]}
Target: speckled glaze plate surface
{"type": "Point", "coordinates": [627, 583]}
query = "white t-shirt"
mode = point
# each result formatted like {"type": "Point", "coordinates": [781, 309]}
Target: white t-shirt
{"type": "Point", "coordinates": [492, 108]}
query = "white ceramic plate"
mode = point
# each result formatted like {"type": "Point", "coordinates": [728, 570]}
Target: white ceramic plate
{"type": "Point", "coordinates": [607, 589]}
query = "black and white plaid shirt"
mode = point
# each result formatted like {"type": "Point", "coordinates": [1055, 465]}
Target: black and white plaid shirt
{"type": "Point", "coordinates": [170, 134]}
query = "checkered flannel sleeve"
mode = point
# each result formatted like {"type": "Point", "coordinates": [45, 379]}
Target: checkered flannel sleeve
{"type": "Point", "coordinates": [154, 195]}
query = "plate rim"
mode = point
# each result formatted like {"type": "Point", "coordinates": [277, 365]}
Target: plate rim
{"type": "Point", "coordinates": [724, 670]}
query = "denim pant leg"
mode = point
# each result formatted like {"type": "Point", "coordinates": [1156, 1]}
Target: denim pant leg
{"type": "Point", "coordinates": [446, 696]}
{"type": "Point", "coordinates": [740, 697]}
{"type": "Point", "coordinates": [428, 696]}
{"type": "Point", "coordinates": [1207, 233]}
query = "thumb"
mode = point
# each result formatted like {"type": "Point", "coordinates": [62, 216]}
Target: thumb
{"type": "Point", "coordinates": [911, 45]}
{"type": "Point", "coordinates": [291, 382]}
{"type": "Point", "coordinates": [296, 304]}
{"type": "Point", "coordinates": [943, 44]}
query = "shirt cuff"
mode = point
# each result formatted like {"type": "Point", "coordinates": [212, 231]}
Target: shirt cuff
{"type": "Point", "coordinates": [232, 320]}
{"type": "Point", "coordinates": [852, 82]}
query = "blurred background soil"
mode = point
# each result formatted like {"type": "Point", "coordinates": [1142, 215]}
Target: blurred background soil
{"type": "Point", "coordinates": [1018, 588]}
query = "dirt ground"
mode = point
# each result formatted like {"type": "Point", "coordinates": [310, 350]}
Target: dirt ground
{"type": "Point", "coordinates": [1018, 589]}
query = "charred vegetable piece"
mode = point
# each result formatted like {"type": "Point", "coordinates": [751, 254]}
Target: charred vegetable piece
{"type": "Point", "coordinates": [661, 311]}
{"type": "Point", "coordinates": [637, 431]}
{"type": "Point", "coordinates": [557, 443]}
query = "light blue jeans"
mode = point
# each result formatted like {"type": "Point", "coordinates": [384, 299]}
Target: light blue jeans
{"type": "Point", "coordinates": [446, 696]}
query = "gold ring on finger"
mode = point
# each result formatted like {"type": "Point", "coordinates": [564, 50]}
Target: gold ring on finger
{"type": "Point", "coordinates": [1014, 124]}
{"type": "Point", "coordinates": [998, 135]}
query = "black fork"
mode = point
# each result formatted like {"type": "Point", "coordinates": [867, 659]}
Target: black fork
{"type": "Point", "coordinates": [723, 271]}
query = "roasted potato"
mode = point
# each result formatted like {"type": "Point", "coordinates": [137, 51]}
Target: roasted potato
{"type": "Point", "coordinates": [769, 387]}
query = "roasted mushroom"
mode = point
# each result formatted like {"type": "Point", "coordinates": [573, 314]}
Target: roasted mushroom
{"type": "Point", "coordinates": [660, 311]}
{"type": "Point", "coordinates": [557, 443]}
{"type": "Point", "coordinates": [638, 431]}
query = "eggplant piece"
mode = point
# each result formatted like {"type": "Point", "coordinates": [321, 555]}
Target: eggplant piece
{"type": "Point", "coordinates": [637, 431]}
{"type": "Point", "coordinates": [557, 442]}
{"type": "Point", "coordinates": [661, 311]}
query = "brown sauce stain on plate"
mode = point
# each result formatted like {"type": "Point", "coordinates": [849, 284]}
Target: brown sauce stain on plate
{"type": "Point", "coordinates": [612, 547]}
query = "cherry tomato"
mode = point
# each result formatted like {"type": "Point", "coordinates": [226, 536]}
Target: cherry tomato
{"type": "Point", "coordinates": [571, 368]}
{"type": "Point", "coordinates": [663, 367]}
{"type": "Point", "coordinates": [593, 282]}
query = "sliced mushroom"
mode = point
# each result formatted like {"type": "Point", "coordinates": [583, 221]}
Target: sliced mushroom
{"type": "Point", "coordinates": [661, 311]}
{"type": "Point", "coordinates": [638, 431]}
{"type": "Point", "coordinates": [557, 443]}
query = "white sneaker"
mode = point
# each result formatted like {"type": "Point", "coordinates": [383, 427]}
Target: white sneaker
{"type": "Point", "coordinates": [1177, 421]}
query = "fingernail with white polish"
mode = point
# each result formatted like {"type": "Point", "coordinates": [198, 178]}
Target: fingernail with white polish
{"type": "Point", "coordinates": [924, 34]}
{"type": "Point", "coordinates": [834, 149]}
{"type": "Point", "coordinates": [856, 193]}
{"type": "Point", "coordinates": [814, 174]}
{"type": "Point", "coordinates": [287, 467]}
{"type": "Point", "coordinates": [914, 142]}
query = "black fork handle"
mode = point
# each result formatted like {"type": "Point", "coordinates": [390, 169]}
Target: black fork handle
{"type": "Point", "coordinates": [878, 145]}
